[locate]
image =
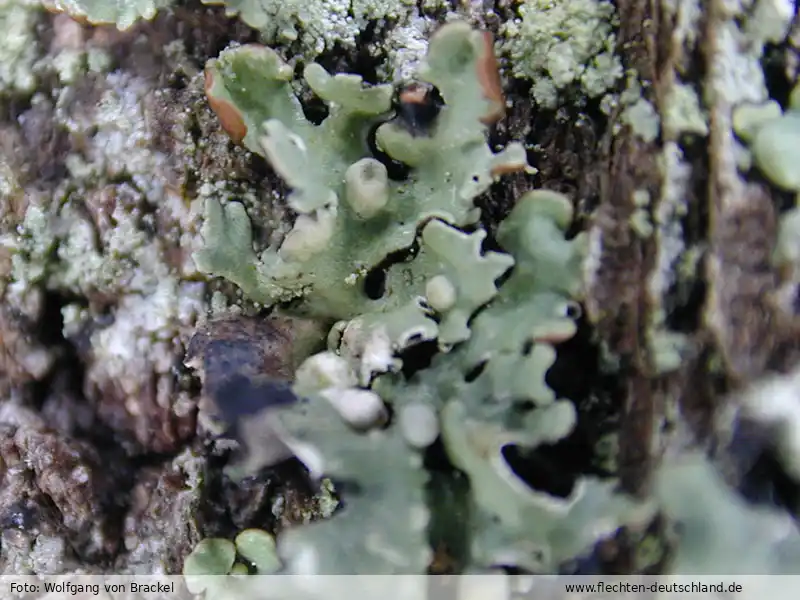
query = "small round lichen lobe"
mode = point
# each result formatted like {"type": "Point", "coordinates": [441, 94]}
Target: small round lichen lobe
{"type": "Point", "coordinates": [748, 118]}
{"type": "Point", "coordinates": [441, 293]}
{"type": "Point", "coordinates": [419, 424]}
{"type": "Point", "coordinates": [362, 409]}
{"type": "Point", "coordinates": [776, 148]}
{"type": "Point", "coordinates": [309, 236]}
{"type": "Point", "coordinates": [325, 370]}
{"type": "Point", "coordinates": [367, 187]}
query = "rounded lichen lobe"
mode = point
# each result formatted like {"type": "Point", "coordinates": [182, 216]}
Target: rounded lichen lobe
{"type": "Point", "coordinates": [309, 236]}
{"type": "Point", "coordinates": [361, 409]}
{"type": "Point", "coordinates": [441, 293]}
{"type": "Point", "coordinates": [367, 187]}
{"type": "Point", "coordinates": [776, 148]}
{"type": "Point", "coordinates": [419, 424]}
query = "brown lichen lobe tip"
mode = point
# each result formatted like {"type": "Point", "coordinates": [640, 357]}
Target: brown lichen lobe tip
{"type": "Point", "coordinates": [508, 169]}
{"type": "Point", "coordinates": [415, 93]}
{"type": "Point", "coordinates": [229, 117]}
{"type": "Point", "coordinates": [488, 72]}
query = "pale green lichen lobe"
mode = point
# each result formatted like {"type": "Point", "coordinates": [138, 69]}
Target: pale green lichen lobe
{"type": "Point", "coordinates": [776, 148]}
{"type": "Point", "coordinates": [350, 215]}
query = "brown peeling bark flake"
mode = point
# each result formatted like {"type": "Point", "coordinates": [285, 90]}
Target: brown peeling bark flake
{"type": "Point", "coordinates": [742, 233]}
{"type": "Point", "coordinates": [626, 262]}
{"type": "Point", "coordinates": [636, 435]}
{"type": "Point", "coordinates": [739, 312]}
{"type": "Point", "coordinates": [614, 302]}
{"type": "Point", "coordinates": [618, 296]}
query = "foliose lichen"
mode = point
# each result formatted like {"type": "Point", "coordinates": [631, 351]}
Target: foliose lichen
{"type": "Point", "coordinates": [706, 542]}
{"type": "Point", "coordinates": [351, 215]}
{"type": "Point", "coordinates": [509, 404]}
{"type": "Point", "coordinates": [338, 428]}
{"type": "Point", "coordinates": [486, 391]}
{"type": "Point", "coordinates": [495, 316]}
{"type": "Point", "coordinates": [774, 139]}
{"type": "Point", "coordinates": [212, 557]}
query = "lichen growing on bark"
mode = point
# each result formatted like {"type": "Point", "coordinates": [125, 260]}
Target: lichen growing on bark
{"type": "Point", "coordinates": [313, 27]}
{"type": "Point", "coordinates": [108, 154]}
{"type": "Point", "coordinates": [351, 214]}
